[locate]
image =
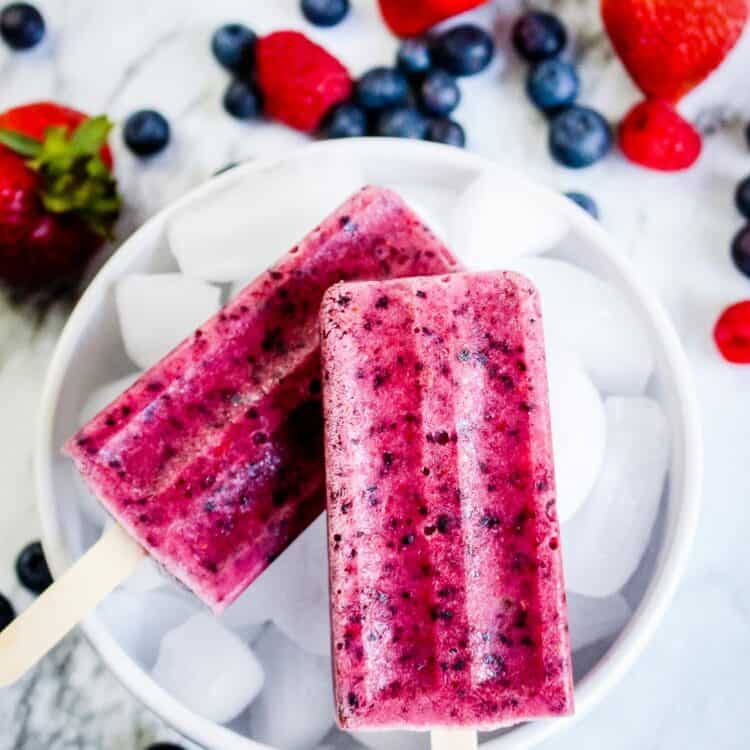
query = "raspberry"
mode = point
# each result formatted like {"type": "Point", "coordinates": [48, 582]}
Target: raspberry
{"type": "Point", "coordinates": [732, 333]}
{"type": "Point", "coordinates": [299, 80]}
{"type": "Point", "coordinates": [654, 135]}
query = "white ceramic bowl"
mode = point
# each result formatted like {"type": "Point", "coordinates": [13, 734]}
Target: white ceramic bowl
{"type": "Point", "coordinates": [90, 353]}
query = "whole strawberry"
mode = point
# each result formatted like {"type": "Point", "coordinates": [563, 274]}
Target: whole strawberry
{"type": "Point", "coordinates": [413, 17]}
{"type": "Point", "coordinates": [670, 46]}
{"type": "Point", "coordinates": [58, 197]}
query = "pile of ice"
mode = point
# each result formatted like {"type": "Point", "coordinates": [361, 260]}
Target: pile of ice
{"type": "Point", "coordinates": [264, 667]}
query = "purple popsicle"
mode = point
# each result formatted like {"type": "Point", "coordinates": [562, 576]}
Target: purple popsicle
{"type": "Point", "coordinates": [213, 460]}
{"type": "Point", "coordinates": [448, 607]}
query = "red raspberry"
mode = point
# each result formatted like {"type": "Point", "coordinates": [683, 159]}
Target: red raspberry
{"type": "Point", "coordinates": [299, 80]}
{"type": "Point", "coordinates": [654, 135]}
{"type": "Point", "coordinates": [732, 333]}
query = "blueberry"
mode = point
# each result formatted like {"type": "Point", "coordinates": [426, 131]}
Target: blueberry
{"type": "Point", "coordinates": [443, 130]}
{"type": "Point", "coordinates": [242, 99]}
{"type": "Point", "coordinates": [381, 88]}
{"type": "Point", "coordinates": [579, 136]}
{"type": "Point", "coordinates": [586, 202]}
{"type": "Point", "coordinates": [7, 613]}
{"type": "Point", "coordinates": [345, 120]}
{"type": "Point", "coordinates": [742, 197]}
{"type": "Point", "coordinates": [439, 93]}
{"type": "Point", "coordinates": [464, 50]}
{"type": "Point", "coordinates": [552, 84]}
{"type": "Point", "coordinates": [233, 46]}
{"type": "Point", "coordinates": [741, 250]}
{"type": "Point", "coordinates": [325, 12]}
{"type": "Point", "coordinates": [538, 36]}
{"type": "Point", "coordinates": [401, 123]}
{"type": "Point", "coordinates": [31, 568]}
{"type": "Point", "coordinates": [146, 132]}
{"type": "Point", "coordinates": [21, 26]}
{"type": "Point", "coordinates": [165, 746]}
{"type": "Point", "coordinates": [413, 56]}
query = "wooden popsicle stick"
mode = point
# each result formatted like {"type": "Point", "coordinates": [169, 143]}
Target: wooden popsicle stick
{"type": "Point", "coordinates": [66, 602]}
{"type": "Point", "coordinates": [453, 739]}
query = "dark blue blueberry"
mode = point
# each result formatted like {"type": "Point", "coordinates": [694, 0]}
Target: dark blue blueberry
{"type": "Point", "coordinates": [165, 746]}
{"type": "Point", "coordinates": [7, 613]}
{"type": "Point", "coordinates": [741, 250]}
{"type": "Point", "coordinates": [538, 36]}
{"type": "Point", "coordinates": [552, 84]}
{"type": "Point", "coordinates": [242, 100]}
{"type": "Point", "coordinates": [579, 136]}
{"type": "Point", "coordinates": [742, 197]}
{"type": "Point", "coordinates": [21, 25]}
{"type": "Point", "coordinates": [401, 123]}
{"type": "Point", "coordinates": [439, 93]}
{"type": "Point", "coordinates": [586, 202]}
{"type": "Point", "coordinates": [381, 88]}
{"type": "Point", "coordinates": [146, 132]}
{"type": "Point", "coordinates": [233, 46]}
{"type": "Point", "coordinates": [345, 120]}
{"type": "Point", "coordinates": [443, 130]}
{"type": "Point", "coordinates": [414, 57]}
{"type": "Point", "coordinates": [464, 50]}
{"type": "Point", "coordinates": [325, 12]}
{"type": "Point", "coordinates": [31, 568]}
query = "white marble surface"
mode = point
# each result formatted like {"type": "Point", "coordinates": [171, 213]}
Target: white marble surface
{"type": "Point", "coordinates": [690, 688]}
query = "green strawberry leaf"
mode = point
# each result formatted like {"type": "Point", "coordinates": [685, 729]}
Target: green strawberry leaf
{"type": "Point", "coordinates": [90, 136]}
{"type": "Point", "coordinates": [20, 143]}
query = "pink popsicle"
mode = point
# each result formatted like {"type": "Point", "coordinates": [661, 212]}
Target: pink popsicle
{"type": "Point", "coordinates": [213, 460]}
{"type": "Point", "coordinates": [448, 606]}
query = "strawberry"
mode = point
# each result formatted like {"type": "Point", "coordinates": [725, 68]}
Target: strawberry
{"type": "Point", "coordinates": [58, 198]}
{"type": "Point", "coordinates": [299, 80]}
{"type": "Point", "coordinates": [670, 46]}
{"type": "Point", "coordinates": [413, 17]}
{"type": "Point", "coordinates": [654, 135]}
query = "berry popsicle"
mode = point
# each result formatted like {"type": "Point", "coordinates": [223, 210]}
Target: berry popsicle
{"type": "Point", "coordinates": [213, 460]}
{"type": "Point", "coordinates": [447, 599]}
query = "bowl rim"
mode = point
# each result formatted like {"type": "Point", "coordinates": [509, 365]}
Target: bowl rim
{"type": "Point", "coordinates": [610, 669]}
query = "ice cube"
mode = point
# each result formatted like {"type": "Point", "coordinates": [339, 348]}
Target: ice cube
{"type": "Point", "coordinates": [139, 621]}
{"type": "Point", "coordinates": [303, 614]}
{"type": "Point", "coordinates": [157, 311]}
{"type": "Point", "coordinates": [603, 544]}
{"type": "Point", "coordinates": [495, 219]}
{"type": "Point", "coordinates": [147, 577]}
{"type": "Point", "coordinates": [591, 619]}
{"type": "Point", "coordinates": [432, 203]}
{"type": "Point", "coordinates": [208, 669]}
{"type": "Point", "coordinates": [579, 430]}
{"type": "Point", "coordinates": [295, 710]}
{"type": "Point", "coordinates": [590, 317]}
{"type": "Point", "coordinates": [239, 233]}
{"type": "Point", "coordinates": [393, 740]}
